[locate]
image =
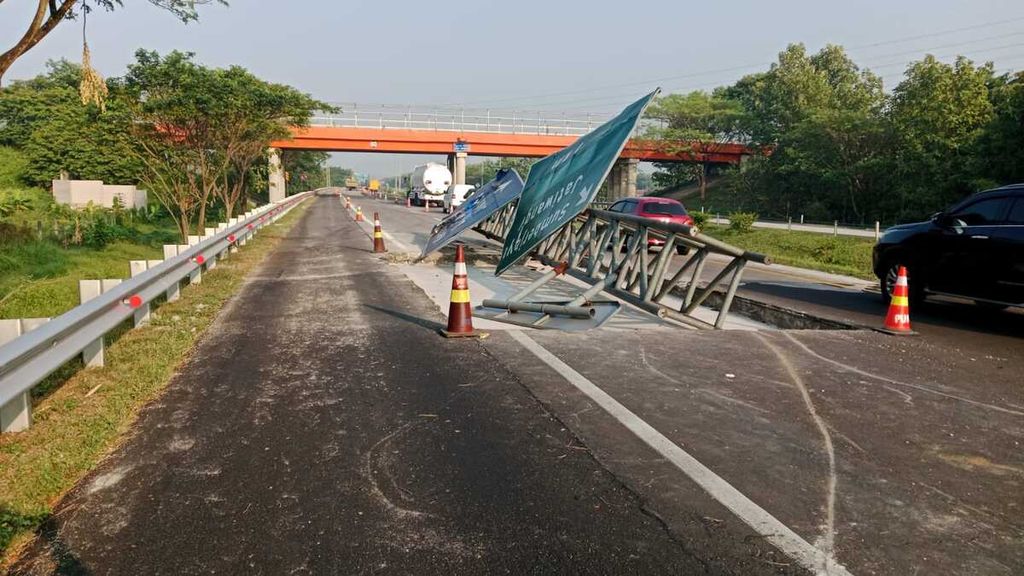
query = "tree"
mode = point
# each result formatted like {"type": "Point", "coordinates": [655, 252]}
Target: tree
{"type": "Point", "coordinates": [304, 169]}
{"type": "Point", "coordinates": [697, 123]}
{"type": "Point", "coordinates": [50, 13]}
{"type": "Point", "coordinates": [938, 112]}
{"type": "Point", "coordinates": [999, 153]}
{"type": "Point", "coordinates": [257, 113]}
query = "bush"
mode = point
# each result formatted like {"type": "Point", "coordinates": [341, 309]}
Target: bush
{"type": "Point", "coordinates": [98, 234]}
{"type": "Point", "coordinates": [742, 221]}
{"type": "Point", "coordinates": [700, 219]}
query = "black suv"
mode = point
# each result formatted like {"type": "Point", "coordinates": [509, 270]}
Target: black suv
{"type": "Point", "coordinates": [974, 249]}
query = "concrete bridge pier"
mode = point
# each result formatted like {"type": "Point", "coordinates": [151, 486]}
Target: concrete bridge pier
{"type": "Point", "coordinates": [276, 175]}
{"type": "Point", "coordinates": [622, 179]}
{"type": "Point", "coordinates": [457, 166]}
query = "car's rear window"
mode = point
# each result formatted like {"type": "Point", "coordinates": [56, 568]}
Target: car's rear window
{"type": "Point", "coordinates": [668, 208]}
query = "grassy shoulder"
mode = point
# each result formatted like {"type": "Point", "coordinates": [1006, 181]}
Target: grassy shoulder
{"type": "Point", "coordinates": [84, 418]}
{"type": "Point", "coordinates": [846, 255]}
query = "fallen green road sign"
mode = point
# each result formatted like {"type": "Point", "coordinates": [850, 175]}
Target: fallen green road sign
{"type": "Point", "coordinates": [561, 185]}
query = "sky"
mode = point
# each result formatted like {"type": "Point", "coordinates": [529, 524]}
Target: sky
{"type": "Point", "coordinates": [559, 56]}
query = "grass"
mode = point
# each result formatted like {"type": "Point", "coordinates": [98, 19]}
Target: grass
{"type": "Point", "coordinates": [835, 254]}
{"type": "Point", "coordinates": [40, 279]}
{"type": "Point", "coordinates": [73, 430]}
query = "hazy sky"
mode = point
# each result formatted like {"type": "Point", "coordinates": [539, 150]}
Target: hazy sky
{"type": "Point", "coordinates": [530, 55]}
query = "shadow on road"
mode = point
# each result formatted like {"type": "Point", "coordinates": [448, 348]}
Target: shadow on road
{"type": "Point", "coordinates": [423, 322]}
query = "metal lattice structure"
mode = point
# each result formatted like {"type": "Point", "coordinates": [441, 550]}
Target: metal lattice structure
{"type": "Point", "coordinates": [610, 251]}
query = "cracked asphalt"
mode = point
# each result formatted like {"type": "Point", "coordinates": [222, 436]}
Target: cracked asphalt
{"type": "Point", "coordinates": [323, 427]}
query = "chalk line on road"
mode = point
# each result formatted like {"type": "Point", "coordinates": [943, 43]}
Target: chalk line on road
{"type": "Point", "coordinates": [759, 519]}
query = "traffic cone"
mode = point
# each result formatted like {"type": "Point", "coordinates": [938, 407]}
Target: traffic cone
{"type": "Point", "coordinates": [378, 234]}
{"type": "Point", "coordinates": [359, 214]}
{"type": "Point", "coordinates": [460, 314]}
{"type": "Point", "coordinates": [348, 203]}
{"type": "Point", "coordinates": [897, 321]}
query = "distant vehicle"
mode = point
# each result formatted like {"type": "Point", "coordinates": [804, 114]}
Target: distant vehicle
{"type": "Point", "coordinates": [351, 183]}
{"type": "Point", "coordinates": [429, 183]}
{"type": "Point", "coordinates": [456, 195]}
{"type": "Point", "coordinates": [664, 209]}
{"type": "Point", "coordinates": [974, 249]}
{"type": "Point", "coordinates": [374, 185]}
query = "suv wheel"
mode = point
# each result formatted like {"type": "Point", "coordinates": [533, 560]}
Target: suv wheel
{"type": "Point", "coordinates": [915, 282]}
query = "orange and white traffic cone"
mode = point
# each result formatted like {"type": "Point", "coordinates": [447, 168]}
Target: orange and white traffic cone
{"type": "Point", "coordinates": [460, 313]}
{"type": "Point", "coordinates": [897, 321]}
{"type": "Point", "coordinates": [378, 234]}
{"type": "Point", "coordinates": [348, 203]}
{"type": "Point", "coordinates": [359, 214]}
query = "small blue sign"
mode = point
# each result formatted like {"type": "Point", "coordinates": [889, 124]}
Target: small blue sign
{"type": "Point", "coordinates": [488, 199]}
{"type": "Point", "coordinates": [461, 146]}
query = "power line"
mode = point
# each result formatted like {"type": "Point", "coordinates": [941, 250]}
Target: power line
{"type": "Point", "coordinates": [653, 81]}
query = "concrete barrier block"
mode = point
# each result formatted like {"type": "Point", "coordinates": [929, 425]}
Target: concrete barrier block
{"type": "Point", "coordinates": [30, 324]}
{"type": "Point", "coordinates": [170, 251]}
{"type": "Point", "coordinates": [153, 263]}
{"type": "Point", "coordinates": [136, 267]}
{"type": "Point", "coordinates": [9, 330]}
{"type": "Point", "coordinates": [108, 283]}
{"type": "Point", "coordinates": [182, 248]}
{"type": "Point", "coordinates": [210, 231]}
{"type": "Point", "coordinates": [193, 240]}
{"type": "Point", "coordinates": [88, 289]}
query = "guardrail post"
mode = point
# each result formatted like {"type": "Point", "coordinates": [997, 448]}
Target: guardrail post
{"type": "Point", "coordinates": [16, 415]}
{"type": "Point", "coordinates": [878, 229]}
{"type": "Point", "coordinates": [141, 315]}
{"type": "Point", "coordinates": [92, 354]}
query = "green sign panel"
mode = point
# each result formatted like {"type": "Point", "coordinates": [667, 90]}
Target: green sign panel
{"type": "Point", "coordinates": [563, 185]}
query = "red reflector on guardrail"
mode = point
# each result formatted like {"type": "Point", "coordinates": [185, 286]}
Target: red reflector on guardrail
{"type": "Point", "coordinates": [249, 226]}
{"type": "Point", "coordinates": [199, 259]}
{"type": "Point", "coordinates": [231, 237]}
{"type": "Point", "coordinates": [133, 301]}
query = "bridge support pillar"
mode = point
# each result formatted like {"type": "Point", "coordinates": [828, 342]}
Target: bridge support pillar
{"type": "Point", "coordinates": [622, 179]}
{"type": "Point", "coordinates": [459, 174]}
{"type": "Point", "coordinates": [276, 176]}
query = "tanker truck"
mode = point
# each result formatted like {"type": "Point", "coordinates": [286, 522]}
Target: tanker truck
{"type": "Point", "coordinates": [429, 183]}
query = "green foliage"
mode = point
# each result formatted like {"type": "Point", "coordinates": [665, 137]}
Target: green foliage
{"type": "Point", "coordinates": [480, 173]}
{"type": "Point", "coordinates": [838, 255]}
{"type": "Point", "coordinates": [842, 149]}
{"type": "Point", "coordinates": [700, 219]}
{"type": "Point", "coordinates": [304, 169]}
{"type": "Point", "coordinates": [742, 221]}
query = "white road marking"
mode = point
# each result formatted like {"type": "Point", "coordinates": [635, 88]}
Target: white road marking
{"type": "Point", "coordinates": [769, 527]}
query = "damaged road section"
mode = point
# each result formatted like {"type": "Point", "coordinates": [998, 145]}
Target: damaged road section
{"type": "Point", "coordinates": [324, 427]}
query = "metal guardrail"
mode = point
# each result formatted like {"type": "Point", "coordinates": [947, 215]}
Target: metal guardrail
{"type": "Point", "coordinates": [455, 119]}
{"type": "Point", "coordinates": [630, 271]}
{"type": "Point", "coordinates": [28, 359]}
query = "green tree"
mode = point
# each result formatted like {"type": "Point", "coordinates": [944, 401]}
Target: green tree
{"type": "Point", "coordinates": [339, 175]}
{"type": "Point", "coordinates": [999, 153]}
{"type": "Point", "coordinates": [50, 13]}
{"type": "Point", "coordinates": [304, 169]}
{"type": "Point", "coordinates": [696, 124]}
{"type": "Point", "coordinates": [938, 113]}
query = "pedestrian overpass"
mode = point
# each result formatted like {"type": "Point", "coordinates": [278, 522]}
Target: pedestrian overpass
{"type": "Point", "coordinates": [459, 132]}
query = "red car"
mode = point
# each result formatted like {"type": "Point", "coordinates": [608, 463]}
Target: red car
{"type": "Point", "coordinates": [664, 209]}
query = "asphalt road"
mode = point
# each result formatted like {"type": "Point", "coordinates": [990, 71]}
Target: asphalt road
{"type": "Point", "coordinates": [964, 328]}
{"type": "Point", "coordinates": [324, 427]}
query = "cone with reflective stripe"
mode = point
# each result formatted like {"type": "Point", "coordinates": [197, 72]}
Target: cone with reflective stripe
{"type": "Point", "coordinates": [897, 321]}
{"type": "Point", "coordinates": [460, 313]}
{"type": "Point", "coordinates": [359, 214]}
{"type": "Point", "coordinates": [378, 234]}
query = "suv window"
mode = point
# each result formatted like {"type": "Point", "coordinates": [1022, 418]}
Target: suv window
{"type": "Point", "coordinates": [617, 207]}
{"type": "Point", "coordinates": [669, 208]}
{"type": "Point", "coordinates": [1017, 212]}
{"type": "Point", "coordinates": [983, 212]}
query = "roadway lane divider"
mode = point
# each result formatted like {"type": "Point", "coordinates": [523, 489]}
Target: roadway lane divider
{"type": "Point", "coordinates": [378, 235]}
{"type": "Point", "coordinates": [460, 312]}
{"type": "Point", "coordinates": [815, 560]}
{"type": "Point", "coordinates": [32, 351]}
